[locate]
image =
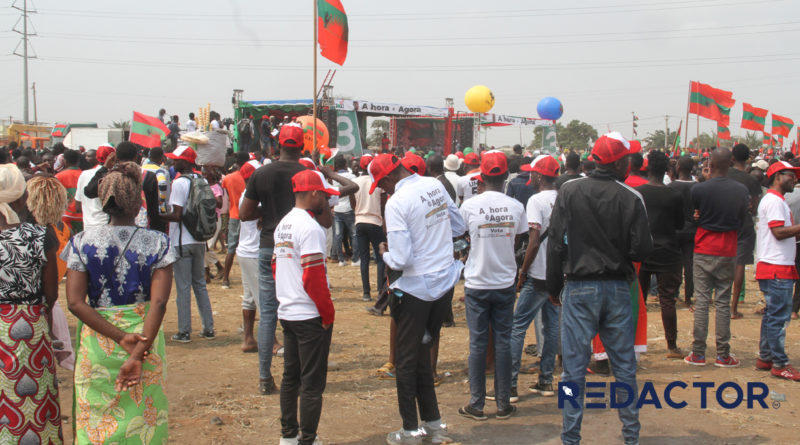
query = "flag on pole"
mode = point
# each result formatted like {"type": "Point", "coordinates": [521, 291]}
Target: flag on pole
{"type": "Point", "coordinates": [723, 132]}
{"type": "Point", "coordinates": [709, 102]}
{"type": "Point", "coordinates": [781, 125]}
{"type": "Point", "coordinates": [767, 139]}
{"type": "Point", "coordinates": [677, 143]}
{"type": "Point", "coordinates": [753, 118]}
{"type": "Point", "coordinates": [147, 131]}
{"type": "Point", "coordinates": [332, 30]}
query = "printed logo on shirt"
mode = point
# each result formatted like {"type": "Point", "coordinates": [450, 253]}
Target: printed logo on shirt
{"type": "Point", "coordinates": [436, 202]}
{"type": "Point", "coordinates": [285, 244]}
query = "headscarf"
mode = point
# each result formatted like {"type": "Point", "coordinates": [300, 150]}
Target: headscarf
{"type": "Point", "coordinates": [120, 191]}
{"type": "Point", "coordinates": [12, 186]}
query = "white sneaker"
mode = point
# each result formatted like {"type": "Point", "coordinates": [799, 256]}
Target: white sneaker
{"type": "Point", "coordinates": [403, 437]}
{"type": "Point", "coordinates": [342, 264]}
{"type": "Point", "coordinates": [355, 263]}
{"type": "Point", "coordinates": [435, 432]}
{"type": "Point", "coordinates": [288, 441]}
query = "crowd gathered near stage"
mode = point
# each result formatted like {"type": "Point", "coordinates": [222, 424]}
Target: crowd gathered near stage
{"type": "Point", "coordinates": [569, 245]}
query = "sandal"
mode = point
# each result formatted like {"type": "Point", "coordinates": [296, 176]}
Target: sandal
{"type": "Point", "coordinates": [386, 372]}
{"type": "Point", "coordinates": [437, 380]}
{"type": "Point", "coordinates": [736, 316]}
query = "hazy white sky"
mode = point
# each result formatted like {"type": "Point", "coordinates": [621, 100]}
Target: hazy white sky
{"type": "Point", "coordinates": [100, 60]}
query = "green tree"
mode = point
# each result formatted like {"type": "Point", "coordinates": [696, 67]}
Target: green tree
{"type": "Point", "coordinates": [378, 126]}
{"type": "Point", "coordinates": [576, 135]}
{"type": "Point", "coordinates": [753, 140]}
{"type": "Point", "coordinates": [125, 125]}
{"type": "Point", "coordinates": [655, 140]}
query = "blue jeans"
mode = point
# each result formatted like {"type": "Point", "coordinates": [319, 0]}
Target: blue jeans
{"type": "Point", "coordinates": [778, 295]}
{"type": "Point", "coordinates": [530, 302]}
{"type": "Point", "coordinates": [367, 234]}
{"type": "Point", "coordinates": [268, 312]}
{"type": "Point", "coordinates": [495, 308]}
{"type": "Point", "coordinates": [589, 308]}
{"type": "Point", "coordinates": [189, 272]}
{"type": "Point", "coordinates": [344, 221]}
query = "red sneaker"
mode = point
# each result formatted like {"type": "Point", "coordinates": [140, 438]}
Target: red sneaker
{"type": "Point", "coordinates": [726, 362]}
{"type": "Point", "coordinates": [787, 372]}
{"type": "Point", "coordinates": [762, 365]}
{"type": "Point", "coordinates": [695, 359]}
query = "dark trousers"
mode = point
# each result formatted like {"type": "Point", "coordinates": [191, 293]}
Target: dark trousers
{"type": "Point", "coordinates": [687, 249]}
{"type": "Point", "coordinates": [367, 234]}
{"type": "Point", "coordinates": [796, 296]}
{"type": "Point", "coordinates": [669, 284]}
{"type": "Point", "coordinates": [414, 375]}
{"type": "Point", "coordinates": [305, 370]}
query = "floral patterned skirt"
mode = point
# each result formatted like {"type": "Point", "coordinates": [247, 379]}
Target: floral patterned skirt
{"type": "Point", "coordinates": [103, 415]}
{"type": "Point", "coordinates": [29, 408]}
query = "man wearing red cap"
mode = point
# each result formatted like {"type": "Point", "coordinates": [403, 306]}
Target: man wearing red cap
{"type": "Point", "coordinates": [306, 310]}
{"type": "Point", "coordinates": [190, 267]}
{"type": "Point", "coordinates": [421, 221]}
{"type": "Point", "coordinates": [467, 185]}
{"type": "Point", "coordinates": [533, 296]}
{"type": "Point", "coordinates": [776, 272]}
{"type": "Point", "coordinates": [494, 221]}
{"type": "Point", "coordinates": [720, 204]}
{"type": "Point", "coordinates": [269, 196]}
{"type": "Point", "coordinates": [605, 225]}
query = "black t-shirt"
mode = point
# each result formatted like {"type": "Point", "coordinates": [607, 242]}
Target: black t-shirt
{"type": "Point", "coordinates": [665, 213]}
{"type": "Point", "coordinates": [689, 226]}
{"type": "Point", "coordinates": [753, 188]}
{"type": "Point", "coordinates": [271, 186]}
{"type": "Point", "coordinates": [564, 178]}
{"type": "Point", "coordinates": [722, 203]}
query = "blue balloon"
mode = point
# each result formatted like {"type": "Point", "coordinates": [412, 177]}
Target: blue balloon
{"type": "Point", "coordinates": [550, 108]}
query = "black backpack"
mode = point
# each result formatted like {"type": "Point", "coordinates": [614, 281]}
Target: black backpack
{"type": "Point", "coordinates": [200, 213]}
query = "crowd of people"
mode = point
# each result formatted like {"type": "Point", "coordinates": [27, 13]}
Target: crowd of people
{"type": "Point", "coordinates": [573, 245]}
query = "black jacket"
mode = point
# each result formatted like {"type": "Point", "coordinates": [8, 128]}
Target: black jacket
{"type": "Point", "coordinates": [149, 187]}
{"type": "Point", "coordinates": [597, 228]}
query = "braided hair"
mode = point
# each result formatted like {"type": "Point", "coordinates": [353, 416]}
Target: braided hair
{"type": "Point", "coordinates": [47, 199]}
{"type": "Point", "coordinates": [120, 191]}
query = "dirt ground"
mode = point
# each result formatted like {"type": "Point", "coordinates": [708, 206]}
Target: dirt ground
{"type": "Point", "coordinates": [213, 378]}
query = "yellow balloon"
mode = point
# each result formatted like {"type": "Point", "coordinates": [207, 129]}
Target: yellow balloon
{"type": "Point", "coordinates": [479, 99]}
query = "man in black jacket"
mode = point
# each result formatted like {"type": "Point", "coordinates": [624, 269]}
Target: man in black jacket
{"type": "Point", "coordinates": [597, 229]}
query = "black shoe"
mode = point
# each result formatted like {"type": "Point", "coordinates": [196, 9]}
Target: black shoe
{"type": "Point", "coordinates": [543, 389]}
{"type": "Point", "coordinates": [449, 324]}
{"type": "Point", "coordinates": [506, 413]}
{"type": "Point", "coordinates": [182, 337]}
{"type": "Point", "coordinates": [267, 387]}
{"type": "Point", "coordinates": [366, 297]}
{"type": "Point", "coordinates": [532, 350]}
{"type": "Point", "coordinates": [601, 368]}
{"type": "Point", "coordinates": [374, 311]}
{"type": "Point", "coordinates": [513, 399]}
{"type": "Point", "coordinates": [208, 335]}
{"type": "Point", "coordinates": [471, 413]}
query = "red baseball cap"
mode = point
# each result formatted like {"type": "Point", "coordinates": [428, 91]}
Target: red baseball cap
{"type": "Point", "coordinates": [781, 166]}
{"type": "Point", "coordinates": [414, 163]}
{"type": "Point", "coordinates": [307, 163]}
{"type": "Point", "coordinates": [610, 148]}
{"type": "Point", "coordinates": [382, 165]}
{"type": "Point", "coordinates": [310, 180]}
{"type": "Point", "coordinates": [291, 135]}
{"type": "Point", "coordinates": [365, 160]}
{"type": "Point", "coordinates": [644, 165]}
{"type": "Point", "coordinates": [184, 152]}
{"type": "Point", "coordinates": [472, 159]}
{"type": "Point", "coordinates": [249, 168]}
{"type": "Point", "coordinates": [636, 146]}
{"type": "Point", "coordinates": [543, 164]}
{"type": "Point", "coordinates": [103, 152]}
{"type": "Point", "coordinates": [460, 154]}
{"type": "Point", "coordinates": [494, 163]}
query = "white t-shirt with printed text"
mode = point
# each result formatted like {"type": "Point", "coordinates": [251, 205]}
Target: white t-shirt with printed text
{"type": "Point", "coordinates": [773, 210]}
{"type": "Point", "coordinates": [297, 235]}
{"type": "Point", "coordinates": [539, 208]}
{"type": "Point", "coordinates": [467, 187]}
{"type": "Point", "coordinates": [493, 221]}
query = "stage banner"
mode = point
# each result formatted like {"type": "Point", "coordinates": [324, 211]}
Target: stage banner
{"type": "Point", "coordinates": [365, 106]}
{"type": "Point", "coordinates": [349, 136]}
{"type": "Point", "coordinates": [550, 141]}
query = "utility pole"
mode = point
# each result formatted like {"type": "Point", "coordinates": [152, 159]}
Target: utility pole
{"type": "Point", "coordinates": [35, 115]}
{"type": "Point", "coordinates": [25, 43]}
{"type": "Point", "coordinates": [666, 132]}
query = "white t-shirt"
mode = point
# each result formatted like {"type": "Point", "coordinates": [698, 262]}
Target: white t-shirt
{"type": "Point", "coordinates": [297, 235]}
{"type": "Point", "coordinates": [539, 208]}
{"type": "Point", "coordinates": [368, 207]}
{"type": "Point", "coordinates": [467, 188]}
{"type": "Point", "coordinates": [343, 204]}
{"type": "Point", "coordinates": [178, 197]}
{"type": "Point", "coordinates": [215, 125]}
{"type": "Point", "coordinates": [493, 220]}
{"type": "Point", "coordinates": [93, 214]}
{"type": "Point", "coordinates": [249, 237]}
{"type": "Point", "coordinates": [453, 178]}
{"type": "Point", "coordinates": [773, 211]}
{"type": "Point", "coordinates": [191, 125]}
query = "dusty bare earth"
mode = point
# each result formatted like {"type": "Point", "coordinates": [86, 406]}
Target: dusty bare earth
{"type": "Point", "coordinates": [210, 379]}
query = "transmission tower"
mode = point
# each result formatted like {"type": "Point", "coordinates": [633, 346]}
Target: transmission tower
{"type": "Point", "coordinates": [25, 44]}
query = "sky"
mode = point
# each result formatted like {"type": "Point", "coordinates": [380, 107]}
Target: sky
{"type": "Point", "coordinates": [98, 60]}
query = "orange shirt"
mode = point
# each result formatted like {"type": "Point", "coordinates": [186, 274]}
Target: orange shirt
{"type": "Point", "coordinates": [69, 179]}
{"type": "Point", "coordinates": [234, 184]}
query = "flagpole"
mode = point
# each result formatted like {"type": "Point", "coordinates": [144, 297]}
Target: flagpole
{"type": "Point", "coordinates": [314, 106]}
{"type": "Point", "coordinates": [688, 105]}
